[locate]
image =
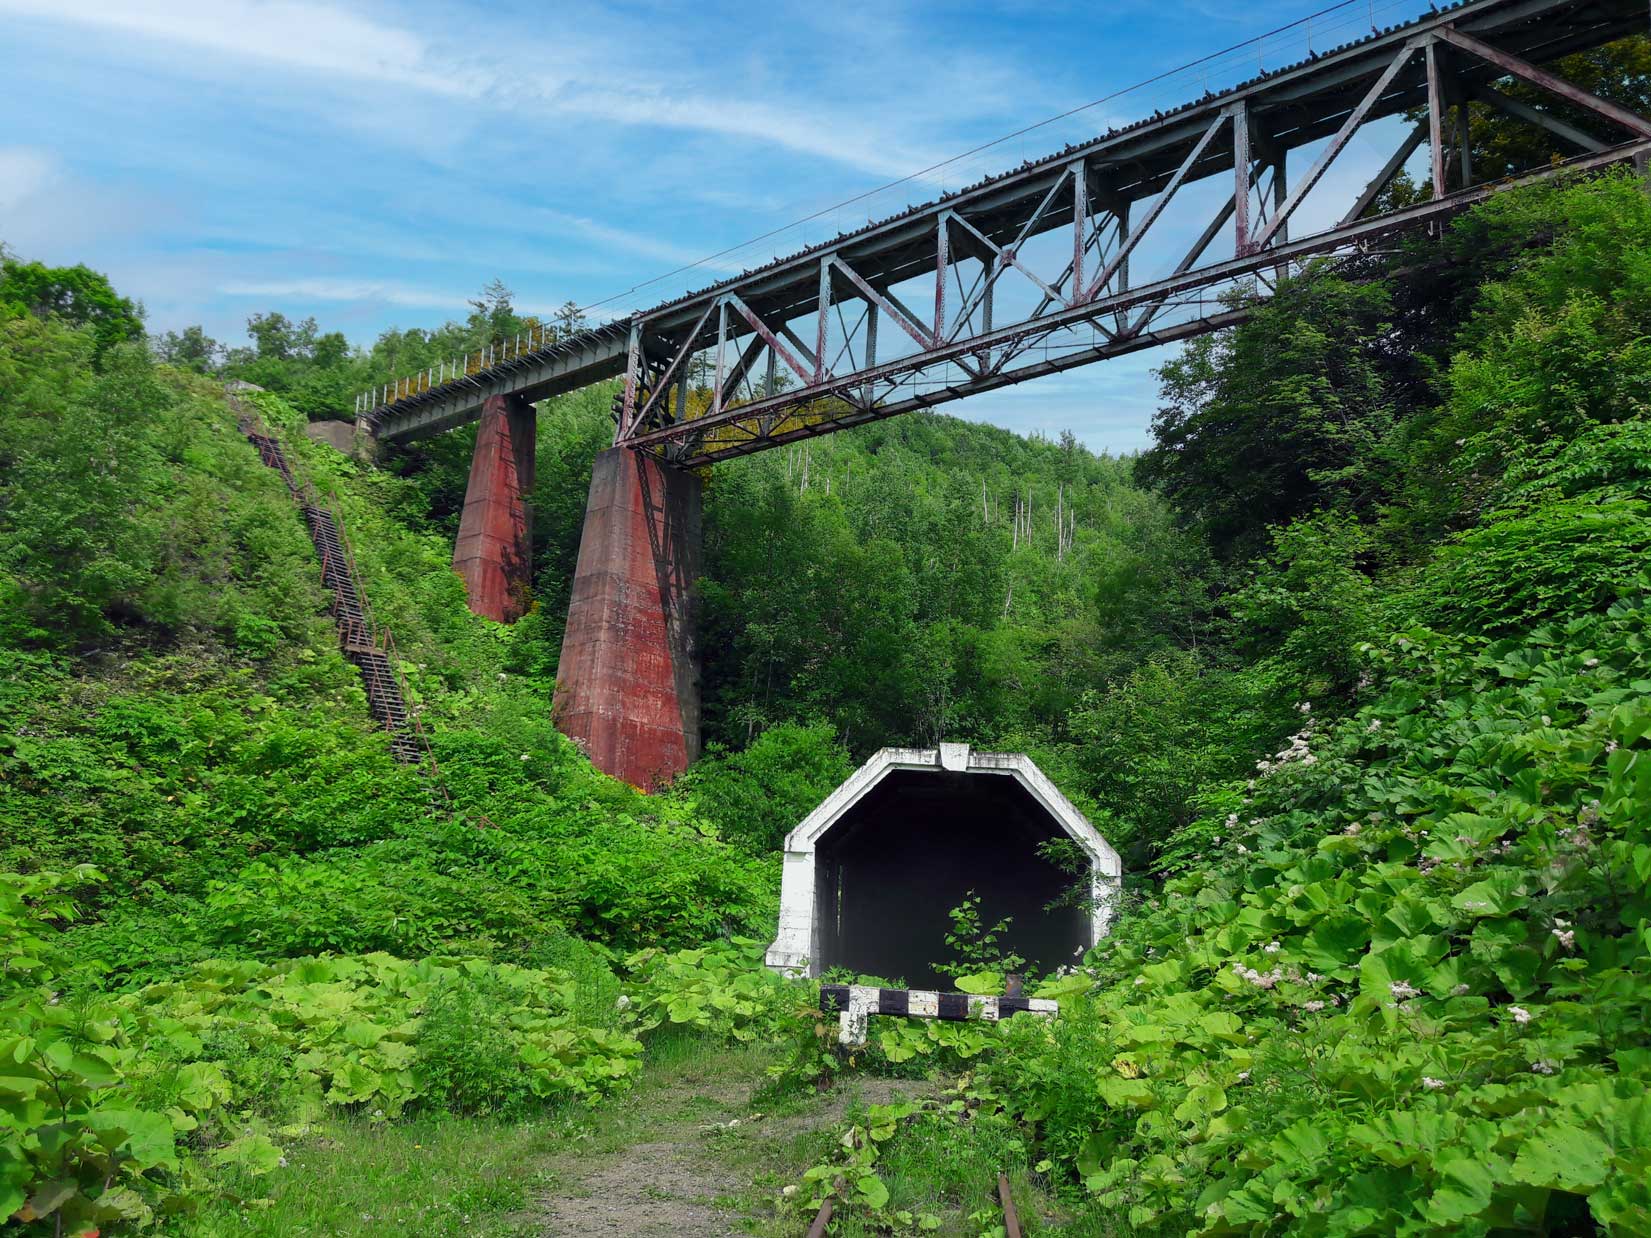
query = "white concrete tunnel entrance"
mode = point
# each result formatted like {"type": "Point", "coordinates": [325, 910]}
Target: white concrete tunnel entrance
{"type": "Point", "coordinates": [872, 873]}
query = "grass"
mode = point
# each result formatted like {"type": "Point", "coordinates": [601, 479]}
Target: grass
{"type": "Point", "coordinates": [702, 1141]}
{"type": "Point", "coordinates": [443, 1175]}
{"type": "Point", "coordinates": [431, 1176]}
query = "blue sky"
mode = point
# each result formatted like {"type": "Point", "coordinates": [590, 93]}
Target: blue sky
{"type": "Point", "coordinates": [375, 162]}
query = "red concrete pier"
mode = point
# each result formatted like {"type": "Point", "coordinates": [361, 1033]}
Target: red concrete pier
{"type": "Point", "coordinates": [494, 550]}
{"type": "Point", "coordinates": [627, 686]}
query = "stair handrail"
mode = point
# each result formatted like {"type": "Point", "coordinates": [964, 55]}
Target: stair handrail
{"type": "Point", "coordinates": [306, 493]}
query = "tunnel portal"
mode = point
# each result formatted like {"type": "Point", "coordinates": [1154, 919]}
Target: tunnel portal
{"type": "Point", "coordinates": [872, 874]}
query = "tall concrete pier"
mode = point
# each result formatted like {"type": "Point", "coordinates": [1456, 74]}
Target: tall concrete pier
{"type": "Point", "coordinates": [494, 550]}
{"type": "Point", "coordinates": [627, 686]}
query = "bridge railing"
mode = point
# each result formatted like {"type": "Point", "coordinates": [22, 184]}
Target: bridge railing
{"type": "Point", "coordinates": [455, 370]}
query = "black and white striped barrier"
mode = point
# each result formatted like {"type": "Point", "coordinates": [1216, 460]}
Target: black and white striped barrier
{"type": "Point", "coordinates": [854, 1004]}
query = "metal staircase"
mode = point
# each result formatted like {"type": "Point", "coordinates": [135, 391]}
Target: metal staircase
{"type": "Point", "coordinates": [370, 647]}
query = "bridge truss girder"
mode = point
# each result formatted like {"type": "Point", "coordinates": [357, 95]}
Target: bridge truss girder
{"type": "Point", "coordinates": [793, 351]}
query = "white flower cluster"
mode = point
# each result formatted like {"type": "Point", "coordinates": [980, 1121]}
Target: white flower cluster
{"type": "Point", "coordinates": [1296, 750]}
{"type": "Point", "coordinates": [1432, 1084]}
{"type": "Point", "coordinates": [1544, 1066]}
{"type": "Point", "coordinates": [1520, 1014]}
{"type": "Point", "coordinates": [1261, 979]}
{"type": "Point", "coordinates": [1402, 989]}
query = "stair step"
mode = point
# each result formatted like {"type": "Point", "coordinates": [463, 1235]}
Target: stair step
{"type": "Point", "coordinates": [378, 677]}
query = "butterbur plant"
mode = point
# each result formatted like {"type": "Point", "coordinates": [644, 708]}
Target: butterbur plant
{"type": "Point", "coordinates": [76, 1151]}
{"type": "Point", "coordinates": [1417, 1000]}
{"type": "Point", "coordinates": [110, 1106]}
{"type": "Point", "coordinates": [722, 989]}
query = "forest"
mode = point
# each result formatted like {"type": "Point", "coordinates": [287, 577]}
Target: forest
{"type": "Point", "coordinates": [1352, 665]}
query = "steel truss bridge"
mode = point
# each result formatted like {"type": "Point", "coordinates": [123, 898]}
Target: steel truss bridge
{"type": "Point", "coordinates": [1029, 273]}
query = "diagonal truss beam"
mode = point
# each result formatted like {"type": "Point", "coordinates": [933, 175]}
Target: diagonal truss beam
{"type": "Point", "coordinates": [1412, 143]}
{"type": "Point", "coordinates": [1152, 296]}
{"type": "Point", "coordinates": [1337, 143]}
{"type": "Point", "coordinates": [809, 372]}
{"type": "Point", "coordinates": [1134, 239]}
{"type": "Point", "coordinates": [677, 363]}
{"type": "Point", "coordinates": [1636, 125]}
{"type": "Point", "coordinates": [903, 318]}
{"type": "Point", "coordinates": [1519, 110]}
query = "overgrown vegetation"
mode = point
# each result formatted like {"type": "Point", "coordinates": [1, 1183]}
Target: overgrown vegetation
{"type": "Point", "coordinates": [1352, 666]}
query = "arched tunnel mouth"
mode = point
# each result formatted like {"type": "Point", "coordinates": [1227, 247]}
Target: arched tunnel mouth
{"type": "Point", "coordinates": [892, 867]}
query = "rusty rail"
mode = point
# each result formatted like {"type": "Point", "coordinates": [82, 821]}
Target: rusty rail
{"type": "Point", "coordinates": [1011, 1218]}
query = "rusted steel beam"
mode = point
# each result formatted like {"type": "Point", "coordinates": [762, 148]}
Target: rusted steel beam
{"type": "Point", "coordinates": [1241, 177]}
{"type": "Point", "coordinates": [810, 373]}
{"type": "Point", "coordinates": [903, 317]}
{"type": "Point", "coordinates": [1436, 119]}
{"type": "Point", "coordinates": [1637, 125]}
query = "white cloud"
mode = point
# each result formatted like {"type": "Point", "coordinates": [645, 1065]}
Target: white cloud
{"type": "Point", "coordinates": [846, 140]}
{"type": "Point", "coordinates": [329, 40]}
{"type": "Point", "coordinates": [376, 292]}
{"type": "Point", "coordinates": [313, 37]}
{"type": "Point", "coordinates": [24, 172]}
{"type": "Point", "coordinates": [632, 242]}
{"type": "Point", "coordinates": [321, 289]}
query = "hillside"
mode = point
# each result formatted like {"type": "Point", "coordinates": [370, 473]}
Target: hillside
{"type": "Point", "coordinates": [1352, 666]}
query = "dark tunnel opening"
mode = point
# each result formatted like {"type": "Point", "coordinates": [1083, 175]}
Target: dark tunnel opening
{"type": "Point", "coordinates": [891, 869]}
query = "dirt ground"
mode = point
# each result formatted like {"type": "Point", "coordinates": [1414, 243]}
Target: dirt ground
{"type": "Point", "coordinates": [688, 1156]}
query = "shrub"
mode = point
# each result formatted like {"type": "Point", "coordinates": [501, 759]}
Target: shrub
{"type": "Point", "coordinates": [1565, 539]}
{"type": "Point", "coordinates": [722, 989]}
{"type": "Point", "coordinates": [754, 797]}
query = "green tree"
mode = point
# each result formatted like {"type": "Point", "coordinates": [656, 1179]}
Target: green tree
{"type": "Point", "coordinates": [189, 349]}
{"type": "Point", "coordinates": [77, 295]}
{"type": "Point", "coordinates": [75, 448]}
{"type": "Point", "coordinates": [757, 795]}
{"type": "Point", "coordinates": [1278, 416]}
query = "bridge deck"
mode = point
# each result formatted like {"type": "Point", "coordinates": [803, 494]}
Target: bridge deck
{"type": "Point", "coordinates": [775, 319]}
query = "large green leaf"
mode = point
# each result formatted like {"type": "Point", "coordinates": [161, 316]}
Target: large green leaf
{"type": "Point", "coordinates": [1563, 1157]}
{"type": "Point", "coordinates": [1464, 1190]}
{"type": "Point", "coordinates": [871, 1191]}
{"type": "Point", "coordinates": [146, 1138]}
{"type": "Point", "coordinates": [1498, 895]}
{"type": "Point", "coordinates": [1336, 941]}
